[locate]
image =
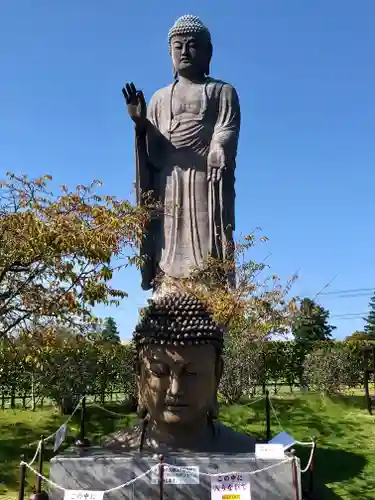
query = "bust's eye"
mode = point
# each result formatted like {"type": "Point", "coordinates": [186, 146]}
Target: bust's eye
{"type": "Point", "coordinates": [177, 46]}
{"type": "Point", "coordinates": [159, 370]}
{"type": "Point", "coordinates": [190, 373]}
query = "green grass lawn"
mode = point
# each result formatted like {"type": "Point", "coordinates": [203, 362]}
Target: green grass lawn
{"type": "Point", "coordinates": [345, 466]}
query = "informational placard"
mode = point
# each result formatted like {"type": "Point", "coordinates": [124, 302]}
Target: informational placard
{"type": "Point", "coordinates": [83, 495]}
{"type": "Point", "coordinates": [283, 438]}
{"type": "Point", "coordinates": [231, 487]}
{"type": "Point", "coordinates": [269, 451]}
{"type": "Point", "coordinates": [178, 475]}
{"type": "Point", "coordinates": [60, 436]}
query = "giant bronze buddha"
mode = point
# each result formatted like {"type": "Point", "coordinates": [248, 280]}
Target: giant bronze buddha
{"type": "Point", "coordinates": [178, 349]}
{"type": "Point", "coordinates": [186, 146]}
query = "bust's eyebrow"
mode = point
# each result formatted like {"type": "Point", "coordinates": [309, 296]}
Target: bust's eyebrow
{"type": "Point", "coordinates": [154, 359]}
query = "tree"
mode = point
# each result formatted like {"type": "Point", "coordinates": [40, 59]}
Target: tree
{"type": "Point", "coordinates": [330, 369]}
{"type": "Point", "coordinates": [370, 320]}
{"type": "Point", "coordinates": [360, 335]}
{"type": "Point", "coordinates": [255, 307]}
{"type": "Point", "coordinates": [110, 332]}
{"type": "Point", "coordinates": [311, 324]}
{"type": "Point", "coordinates": [59, 253]}
{"type": "Point", "coordinates": [243, 368]}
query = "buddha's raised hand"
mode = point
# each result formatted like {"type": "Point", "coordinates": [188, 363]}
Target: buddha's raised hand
{"type": "Point", "coordinates": [136, 104]}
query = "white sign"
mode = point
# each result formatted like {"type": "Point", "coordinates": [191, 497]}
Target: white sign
{"type": "Point", "coordinates": [183, 475]}
{"type": "Point", "coordinates": [231, 487]}
{"type": "Point", "coordinates": [83, 495]}
{"type": "Point", "coordinates": [269, 451]}
{"type": "Point", "coordinates": [60, 436]}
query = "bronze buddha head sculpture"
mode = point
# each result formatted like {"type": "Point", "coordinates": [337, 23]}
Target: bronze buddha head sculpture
{"type": "Point", "coordinates": [190, 47]}
{"type": "Point", "coordinates": [178, 363]}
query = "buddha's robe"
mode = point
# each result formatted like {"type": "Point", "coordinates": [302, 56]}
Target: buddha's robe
{"type": "Point", "coordinates": [188, 122]}
{"type": "Point", "coordinates": [224, 439]}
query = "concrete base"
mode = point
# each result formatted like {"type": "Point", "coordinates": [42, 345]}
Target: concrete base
{"type": "Point", "coordinates": [97, 469]}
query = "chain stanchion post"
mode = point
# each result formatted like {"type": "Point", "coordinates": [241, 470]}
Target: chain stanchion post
{"type": "Point", "coordinates": [21, 491]}
{"type": "Point", "coordinates": [268, 416]}
{"type": "Point", "coordinates": [161, 477]}
{"type": "Point", "coordinates": [295, 476]}
{"type": "Point", "coordinates": [38, 493]}
{"type": "Point", "coordinates": [82, 441]}
{"type": "Point", "coordinates": [38, 481]}
{"type": "Point", "coordinates": [312, 468]}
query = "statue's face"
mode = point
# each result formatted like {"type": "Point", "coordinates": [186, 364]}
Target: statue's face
{"type": "Point", "coordinates": [190, 55]}
{"type": "Point", "coordinates": [178, 384]}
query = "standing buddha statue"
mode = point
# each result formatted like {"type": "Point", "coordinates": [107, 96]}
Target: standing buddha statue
{"type": "Point", "coordinates": [186, 146]}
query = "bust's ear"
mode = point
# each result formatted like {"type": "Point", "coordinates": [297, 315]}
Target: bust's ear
{"type": "Point", "coordinates": [141, 408]}
{"type": "Point", "coordinates": [219, 369]}
{"type": "Point", "coordinates": [208, 61]}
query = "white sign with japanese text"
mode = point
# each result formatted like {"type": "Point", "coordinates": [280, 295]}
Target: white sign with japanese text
{"type": "Point", "coordinates": [83, 495]}
{"type": "Point", "coordinates": [269, 451]}
{"type": "Point", "coordinates": [183, 475]}
{"type": "Point", "coordinates": [231, 487]}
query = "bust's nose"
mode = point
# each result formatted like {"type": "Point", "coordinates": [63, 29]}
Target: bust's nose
{"type": "Point", "coordinates": [175, 386]}
{"type": "Point", "coordinates": [184, 50]}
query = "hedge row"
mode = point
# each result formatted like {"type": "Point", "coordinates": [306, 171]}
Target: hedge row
{"type": "Point", "coordinates": [55, 367]}
{"type": "Point", "coordinates": [324, 366]}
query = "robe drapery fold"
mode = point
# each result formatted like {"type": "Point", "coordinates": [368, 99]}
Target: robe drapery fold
{"type": "Point", "coordinates": [187, 127]}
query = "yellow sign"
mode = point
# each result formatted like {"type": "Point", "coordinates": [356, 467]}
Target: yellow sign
{"type": "Point", "coordinates": [233, 486]}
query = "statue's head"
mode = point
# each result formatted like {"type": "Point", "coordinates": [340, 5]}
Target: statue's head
{"type": "Point", "coordinates": [179, 361]}
{"type": "Point", "coordinates": [190, 47]}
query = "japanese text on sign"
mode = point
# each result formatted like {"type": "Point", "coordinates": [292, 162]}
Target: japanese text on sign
{"type": "Point", "coordinates": [83, 495]}
{"type": "Point", "coordinates": [185, 475]}
{"type": "Point", "coordinates": [230, 487]}
{"type": "Point", "coordinates": [269, 451]}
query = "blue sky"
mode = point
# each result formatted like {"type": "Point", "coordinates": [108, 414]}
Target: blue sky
{"type": "Point", "coordinates": [305, 76]}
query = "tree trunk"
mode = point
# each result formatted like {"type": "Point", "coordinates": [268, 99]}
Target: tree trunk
{"type": "Point", "coordinates": [68, 404]}
{"type": "Point", "coordinates": [33, 401]}
{"type": "Point", "coordinates": [133, 403]}
{"type": "Point", "coordinates": [13, 398]}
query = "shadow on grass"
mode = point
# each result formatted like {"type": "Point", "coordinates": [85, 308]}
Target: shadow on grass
{"type": "Point", "coordinates": [358, 402]}
{"type": "Point", "coordinates": [101, 423]}
{"type": "Point", "coordinates": [19, 439]}
{"type": "Point", "coordinates": [302, 417]}
{"type": "Point", "coordinates": [19, 442]}
{"type": "Point", "coordinates": [331, 466]}
{"type": "Point", "coordinates": [342, 449]}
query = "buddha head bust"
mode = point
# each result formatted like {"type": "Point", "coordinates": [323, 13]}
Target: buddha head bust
{"type": "Point", "coordinates": [178, 364]}
{"type": "Point", "coordinates": [190, 47]}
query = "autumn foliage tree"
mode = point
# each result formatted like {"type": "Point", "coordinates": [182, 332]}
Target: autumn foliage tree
{"type": "Point", "coordinates": [59, 253]}
{"type": "Point", "coordinates": [251, 305]}
{"type": "Point", "coordinates": [248, 303]}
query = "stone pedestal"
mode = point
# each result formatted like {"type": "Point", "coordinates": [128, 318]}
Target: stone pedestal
{"type": "Point", "coordinates": [96, 469]}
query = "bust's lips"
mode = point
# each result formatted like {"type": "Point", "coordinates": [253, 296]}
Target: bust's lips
{"type": "Point", "coordinates": [175, 407]}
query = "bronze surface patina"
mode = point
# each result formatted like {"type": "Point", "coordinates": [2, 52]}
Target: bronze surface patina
{"type": "Point", "coordinates": [179, 364]}
{"type": "Point", "coordinates": [186, 147]}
